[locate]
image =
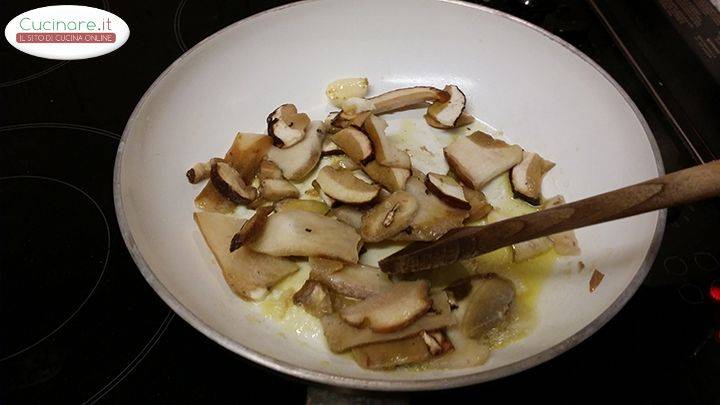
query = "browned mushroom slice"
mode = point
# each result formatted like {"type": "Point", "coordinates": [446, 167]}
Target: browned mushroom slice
{"type": "Point", "coordinates": [392, 178]}
{"type": "Point", "coordinates": [410, 350]}
{"type": "Point", "coordinates": [317, 207]}
{"type": "Point", "coordinates": [408, 97]}
{"type": "Point", "coordinates": [346, 120]}
{"type": "Point", "coordinates": [566, 243]}
{"type": "Point", "coordinates": [314, 298]}
{"type": "Point", "coordinates": [389, 218]}
{"type": "Point", "coordinates": [392, 310]}
{"type": "Point", "coordinates": [228, 182]}
{"type": "Point", "coordinates": [249, 274]}
{"type": "Point", "coordinates": [448, 113]}
{"type": "Point", "coordinates": [355, 144]}
{"type": "Point", "coordinates": [346, 163]}
{"type": "Point", "coordinates": [329, 148]}
{"type": "Point", "coordinates": [464, 119]}
{"type": "Point", "coordinates": [329, 201]}
{"type": "Point", "coordinates": [341, 336]}
{"type": "Point", "coordinates": [479, 158]}
{"type": "Point", "coordinates": [433, 217]}
{"type": "Point", "coordinates": [349, 215]}
{"type": "Point", "coordinates": [200, 171]}
{"type": "Point", "coordinates": [351, 280]}
{"type": "Point", "coordinates": [286, 127]}
{"type": "Point", "coordinates": [479, 207]}
{"type": "Point", "coordinates": [385, 153]}
{"type": "Point", "coordinates": [302, 233]}
{"type": "Point", "coordinates": [343, 186]}
{"type": "Point", "coordinates": [298, 161]}
{"type": "Point", "coordinates": [277, 189]}
{"type": "Point", "coordinates": [251, 228]}
{"type": "Point", "coordinates": [269, 170]}
{"type": "Point", "coordinates": [211, 200]}
{"type": "Point", "coordinates": [527, 176]}
{"type": "Point", "coordinates": [488, 305]}
{"type": "Point", "coordinates": [447, 189]}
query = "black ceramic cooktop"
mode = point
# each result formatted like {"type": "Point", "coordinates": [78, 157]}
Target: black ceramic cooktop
{"type": "Point", "coordinates": [79, 324]}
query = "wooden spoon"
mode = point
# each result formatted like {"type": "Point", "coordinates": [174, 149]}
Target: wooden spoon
{"type": "Point", "coordinates": [682, 187]}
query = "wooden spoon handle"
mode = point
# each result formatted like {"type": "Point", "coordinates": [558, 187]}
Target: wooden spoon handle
{"type": "Point", "coordinates": [682, 187]}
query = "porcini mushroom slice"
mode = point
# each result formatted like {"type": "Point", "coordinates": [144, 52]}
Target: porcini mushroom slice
{"type": "Point", "coordinates": [302, 233]}
{"type": "Point", "coordinates": [526, 177]}
{"type": "Point", "coordinates": [269, 170]}
{"type": "Point", "coordinates": [343, 89]}
{"type": "Point", "coordinates": [385, 153]}
{"type": "Point", "coordinates": [285, 126]}
{"type": "Point", "coordinates": [349, 215]}
{"type": "Point", "coordinates": [479, 158]}
{"type": "Point", "coordinates": [200, 171]}
{"type": "Point", "coordinates": [433, 217]}
{"type": "Point", "coordinates": [341, 336]}
{"type": "Point", "coordinates": [389, 218]}
{"type": "Point", "coordinates": [317, 207]}
{"type": "Point", "coordinates": [447, 189]}
{"type": "Point", "coordinates": [278, 189]}
{"type": "Point", "coordinates": [488, 305]}
{"type": "Point", "coordinates": [463, 119]}
{"type": "Point", "coordinates": [355, 144]}
{"type": "Point", "coordinates": [345, 162]}
{"type": "Point", "coordinates": [391, 310]}
{"type": "Point", "coordinates": [392, 178]}
{"type": "Point", "coordinates": [249, 274]}
{"type": "Point", "coordinates": [407, 97]}
{"type": "Point", "coordinates": [479, 207]}
{"type": "Point", "coordinates": [228, 182]}
{"type": "Point", "coordinates": [314, 298]}
{"type": "Point", "coordinates": [352, 280]}
{"type": "Point", "coordinates": [329, 148]}
{"type": "Point", "coordinates": [329, 201]}
{"type": "Point", "coordinates": [343, 186]}
{"type": "Point", "coordinates": [447, 113]}
{"type": "Point", "coordinates": [531, 248]}
{"type": "Point", "coordinates": [389, 355]}
{"type": "Point", "coordinates": [321, 268]}
{"type": "Point", "coordinates": [298, 161]}
{"type": "Point", "coordinates": [566, 243]}
{"type": "Point", "coordinates": [251, 228]}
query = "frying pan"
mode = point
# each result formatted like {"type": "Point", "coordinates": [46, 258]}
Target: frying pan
{"type": "Point", "coordinates": [536, 89]}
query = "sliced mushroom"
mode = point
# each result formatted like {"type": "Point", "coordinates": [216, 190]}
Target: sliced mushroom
{"type": "Point", "coordinates": [314, 298]}
{"type": "Point", "coordinates": [228, 182]}
{"type": "Point", "coordinates": [356, 105]}
{"type": "Point", "coordinates": [249, 274]}
{"type": "Point", "coordinates": [251, 228]}
{"type": "Point", "coordinates": [200, 171]}
{"type": "Point", "coordinates": [408, 97]}
{"type": "Point", "coordinates": [346, 120]}
{"type": "Point", "coordinates": [385, 153]}
{"type": "Point", "coordinates": [478, 158]}
{"type": "Point", "coordinates": [329, 201]}
{"type": "Point", "coordinates": [527, 177]}
{"type": "Point", "coordinates": [389, 218]}
{"type": "Point", "coordinates": [343, 186]}
{"type": "Point", "coordinates": [286, 127]}
{"type": "Point", "coordinates": [566, 243]}
{"type": "Point", "coordinates": [388, 355]}
{"type": "Point", "coordinates": [269, 170]}
{"type": "Point", "coordinates": [447, 189]}
{"type": "Point", "coordinates": [302, 233]}
{"type": "Point", "coordinates": [299, 160]}
{"type": "Point", "coordinates": [349, 215]}
{"type": "Point", "coordinates": [392, 178]}
{"type": "Point", "coordinates": [321, 268]}
{"type": "Point", "coordinates": [448, 113]}
{"type": "Point", "coordinates": [433, 217]}
{"type": "Point", "coordinates": [346, 163]}
{"type": "Point", "coordinates": [391, 310]}
{"type": "Point", "coordinates": [479, 207]}
{"type": "Point", "coordinates": [355, 144]}
{"type": "Point", "coordinates": [211, 200]}
{"type": "Point", "coordinates": [329, 148]}
{"type": "Point", "coordinates": [278, 189]}
{"type": "Point", "coordinates": [341, 336]}
{"type": "Point", "coordinates": [317, 207]}
{"type": "Point", "coordinates": [463, 119]}
{"type": "Point", "coordinates": [343, 89]}
{"type": "Point", "coordinates": [531, 248]}
{"type": "Point", "coordinates": [351, 280]}
{"type": "Point", "coordinates": [489, 304]}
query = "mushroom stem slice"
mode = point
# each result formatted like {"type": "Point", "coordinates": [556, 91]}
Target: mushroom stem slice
{"type": "Point", "coordinates": [385, 153]}
{"type": "Point", "coordinates": [488, 305]}
{"type": "Point", "coordinates": [314, 298]}
{"type": "Point", "coordinates": [448, 113]}
{"type": "Point", "coordinates": [479, 158]}
{"type": "Point", "coordinates": [302, 233]}
{"type": "Point", "coordinates": [343, 186]}
{"type": "Point", "coordinates": [285, 126]}
{"type": "Point", "coordinates": [251, 228]}
{"type": "Point", "coordinates": [391, 310]}
{"type": "Point", "coordinates": [298, 161]}
{"type": "Point", "coordinates": [249, 274]}
{"type": "Point", "coordinates": [355, 144]}
{"type": "Point", "coordinates": [278, 189]}
{"type": "Point", "coordinates": [389, 218]}
{"type": "Point", "coordinates": [228, 182]}
{"type": "Point", "coordinates": [407, 97]}
{"type": "Point", "coordinates": [447, 189]}
{"type": "Point", "coordinates": [566, 243]}
{"type": "Point", "coordinates": [392, 178]}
